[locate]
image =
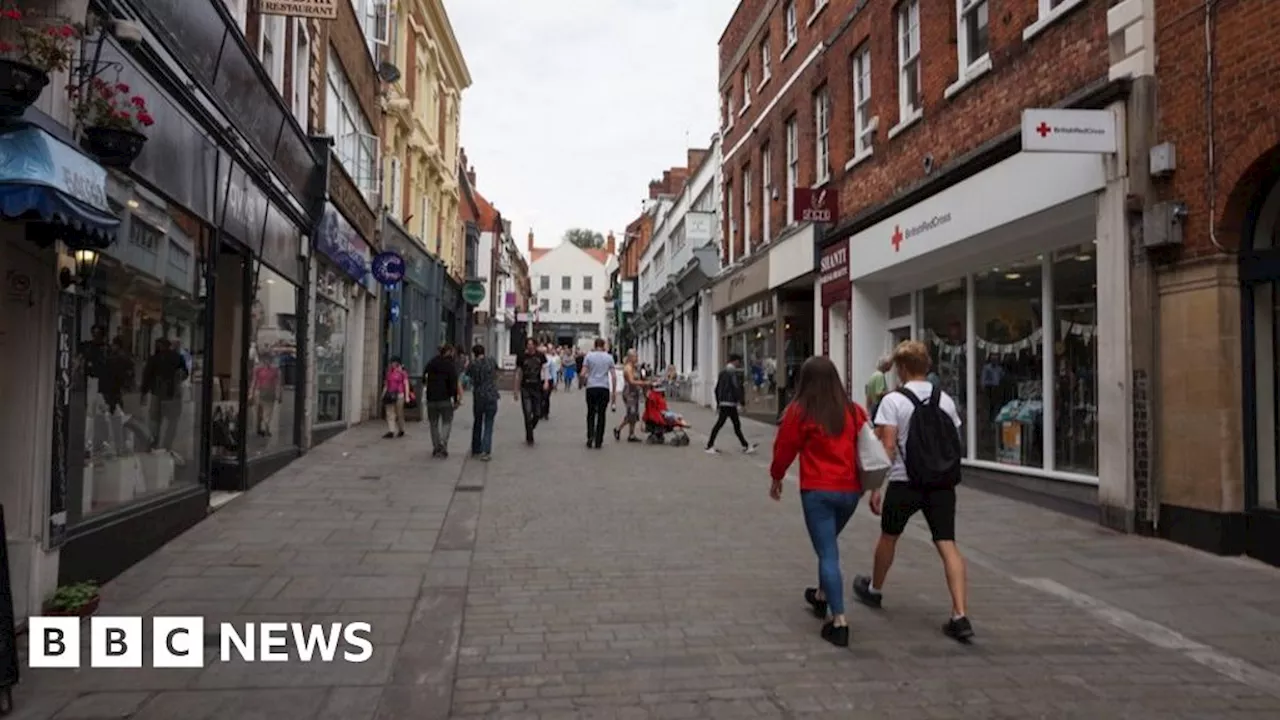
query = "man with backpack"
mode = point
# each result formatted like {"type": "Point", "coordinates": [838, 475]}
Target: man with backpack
{"type": "Point", "coordinates": [920, 429]}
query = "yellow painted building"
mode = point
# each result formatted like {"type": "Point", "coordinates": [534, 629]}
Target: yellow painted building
{"type": "Point", "coordinates": [420, 139]}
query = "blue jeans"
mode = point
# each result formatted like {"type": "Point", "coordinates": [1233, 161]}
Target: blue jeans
{"type": "Point", "coordinates": [825, 515]}
{"type": "Point", "coordinates": [482, 429]}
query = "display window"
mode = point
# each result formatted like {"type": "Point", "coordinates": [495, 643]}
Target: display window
{"type": "Point", "coordinates": [749, 332]}
{"type": "Point", "coordinates": [1075, 350]}
{"type": "Point", "coordinates": [1008, 313]}
{"type": "Point", "coordinates": [330, 347]}
{"type": "Point", "coordinates": [943, 316]}
{"type": "Point", "coordinates": [138, 365]}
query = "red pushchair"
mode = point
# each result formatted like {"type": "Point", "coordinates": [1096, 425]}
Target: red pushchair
{"type": "Point", "coordinates": [660, 422]}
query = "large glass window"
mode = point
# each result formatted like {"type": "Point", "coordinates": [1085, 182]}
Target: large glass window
{"type": "Point", "coordinates": [1075, 350]}
{"type": "Point", "coordinates": [1010, 403]}
{"type": "Point", "coordinates": [943, 311]}
{"type": "Point", "coordinates": [139, 343]}
{"type": "Point", "coordinates": [331, 360]}
{"type": "Point", "coordinates": [750, 332]}
{"type": "Point", "coordinates": [273, 358]}
{"type": "Point", "coordinates": [355, 144]}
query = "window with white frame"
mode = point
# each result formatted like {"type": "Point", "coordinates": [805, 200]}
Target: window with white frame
{"type": "Point", "coordinates": [909, 58]}
{"type": "Point", "coordinates": [822, 133]}
{"type": "Point", "coordinates": [374, 17]}
{"type": "Point", "coordinates": [356, 145]}
{"type": "Point", "coordinates": [972, 32]}
{"type": "Point", "coordinates": [766, 179]}
{"type": "Point", "coordinates": [746, 88]}
{"type": "Point", "coordinates": [566, 282]}
{"type": "Point", "coordinates": [746, 210]}
{"type": "Point", "coordinates": [1048, 6]}
{"type": "Point", "coordinates": [566, 306]}
{"type": "Point", "coordinates": [793, 166]}
{"type": "Point", "coordinates": [586, 307]}
{"type": "Point", "coordinates": [272, 49]}
{"type": "Point", "coordinates": [587, 282]}
{"type": "Point", "coordinates": [863, 130]}
{"type": "Point", "coordinates": [544, 282]}
{"type": "Point", "coordinates": [766, 71]}
{"type": "Point", "coordinates": [789, 19]}
{"type": "Point", "coordinates": [733, 225]}
{"type": "Point", "coordinates": [396, 194]}
{"type": "Point", "coordinates": [544, 305]}
{"type": "Point", "coordinates": [729, 105]}
{"type": "Point", "coordinates": [300, 103]}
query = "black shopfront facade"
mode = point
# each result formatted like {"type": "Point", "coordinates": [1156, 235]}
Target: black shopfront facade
{"type": "Point", "coordinates": [420, 312]}
{"type": "Point", "coordinates": [209, 275]}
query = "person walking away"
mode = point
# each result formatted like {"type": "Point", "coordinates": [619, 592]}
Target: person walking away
{"type": "Point", "coordinates": [579, 360]}
{"type": "Point", "coordinates": [569, 370]}
{"type": "Point", "coordinates": [601, 387]}
{"type": "Point", "coordinates": [730, 395]}
{"type": "Point", "coordinates": [442, 391]}
{"type": "Point", "coordinates": [395, 391]}
{"type": "Point", "coordinates": [920, 429]}
{"type": "Point", "coordinates": [632, 392]}
{"type": "Point", "coordinates": [162, 376]}
{"type": "Point", "coordinates": [551, 372]}
{"type": "Point", "coordinates": [530, 387]}
{"type": "Point", "coordinates": [878, 384]}
{"type": "Point", "coordinates": [483, 374]}
{"type": "Point", "coordinates": [820, 427]}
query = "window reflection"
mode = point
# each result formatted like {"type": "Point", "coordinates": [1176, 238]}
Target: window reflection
{"type": "Point", "coordinates": [330, 359]}
{"type": "Point", "coordinates": [273, 355]}
{"type": "Point", "coordinates": [943, 315]}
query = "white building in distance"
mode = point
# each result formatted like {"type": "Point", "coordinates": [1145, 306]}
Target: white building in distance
{"type": "Point", "coordinates": [569, 287]}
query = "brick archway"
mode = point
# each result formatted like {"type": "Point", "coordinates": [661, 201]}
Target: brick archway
{"type": "Point", "coordinates": [1249, 169]}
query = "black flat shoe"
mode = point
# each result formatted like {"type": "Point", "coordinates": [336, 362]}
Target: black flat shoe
{"type": "Point", "coordinates": [816, 606]}
{"type": "Point", "coordinates": [838, 636]}
{"type": "Point", "coordinates": [617, 434]}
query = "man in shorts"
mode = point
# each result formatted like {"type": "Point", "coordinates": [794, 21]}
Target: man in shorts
{"type": "Point", "coordinates": [904, 498]}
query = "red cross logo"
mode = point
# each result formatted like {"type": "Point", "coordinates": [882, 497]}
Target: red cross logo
{"type": "Point", "coordinates": [1044, 129]}
{"type": "Point", "coordinates": [897, 238]}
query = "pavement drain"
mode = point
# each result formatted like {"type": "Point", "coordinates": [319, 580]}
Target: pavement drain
{"type": "Point", "coordinates": [370, 477]}
{"type": "Point", "coordinates": [469, 488]}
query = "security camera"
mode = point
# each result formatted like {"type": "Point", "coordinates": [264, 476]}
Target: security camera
{"type": "Point", "coordinates": [127, 32]}
{"type": "Point", "coordinates": [928, 164]}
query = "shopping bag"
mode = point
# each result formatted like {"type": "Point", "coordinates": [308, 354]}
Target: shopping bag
{"type": "Point", "coordinates": [389, 398]}
{"type": "Point", "coordinates": [873, 461]}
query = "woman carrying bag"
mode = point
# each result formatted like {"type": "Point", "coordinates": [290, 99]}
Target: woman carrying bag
{"type": "Point", "coordinates": [830, 435]}
{"type": "Point", "coordinates": [395, 394]}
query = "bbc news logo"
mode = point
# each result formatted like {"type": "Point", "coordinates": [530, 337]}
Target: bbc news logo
{"type": "Point", "coordinates": [179, 642]}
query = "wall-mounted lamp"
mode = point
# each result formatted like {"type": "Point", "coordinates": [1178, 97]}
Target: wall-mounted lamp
{"type": "Point", "coordinates": [86, 263]}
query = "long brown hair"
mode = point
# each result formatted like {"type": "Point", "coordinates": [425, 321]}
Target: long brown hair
{"type": "Point", "coordinates": [820, 395]}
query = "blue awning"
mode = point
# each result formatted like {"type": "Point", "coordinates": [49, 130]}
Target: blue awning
{"type": "Point", "coordinates": [53, 185]}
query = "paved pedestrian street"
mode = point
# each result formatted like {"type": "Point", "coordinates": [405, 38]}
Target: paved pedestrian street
{"type": "Point", "coordinates": [661, 582]}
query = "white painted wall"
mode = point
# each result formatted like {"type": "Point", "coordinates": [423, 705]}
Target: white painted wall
{"type": "Point", "coordinates": [568, 260]}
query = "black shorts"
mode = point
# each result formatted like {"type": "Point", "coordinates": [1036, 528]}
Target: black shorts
{"type": "Point", "coordinates": [902, 500]}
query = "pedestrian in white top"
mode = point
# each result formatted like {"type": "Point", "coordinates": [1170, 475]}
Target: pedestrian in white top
{"type": "Point", "coordinates": [551, 374]}
{"type": "Point", "coordinates": [920, 428]}
{"type": "Point", "coordinates": [602, 384]}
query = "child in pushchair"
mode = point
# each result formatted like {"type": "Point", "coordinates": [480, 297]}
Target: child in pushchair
{"type": "Point", "coordinates": [659, 421]}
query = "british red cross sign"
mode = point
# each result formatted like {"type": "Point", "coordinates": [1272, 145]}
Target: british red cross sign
{"type": "Point", "coordinates": [1069, 131]}
{"type": "Point", "coordinates": [817, 205]}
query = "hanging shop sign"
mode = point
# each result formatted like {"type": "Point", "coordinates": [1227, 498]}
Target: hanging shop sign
{"type": "Point", "coordinates": [338, 240]}
{"type": "Point", "coordinates": [388, 268]}
{"type": "Point", "coordinates": [1069, 131]}
{"type": "Point", "coordinates": [60, 466]}
{"type": "Point", "coordinates": [833, 269]}
{"type": "Point", "coordinates": [473, 293]}
{"type": "Point", "coordinates": [817, 205]}
{"type": "Point", "coordinates": [314, 9]}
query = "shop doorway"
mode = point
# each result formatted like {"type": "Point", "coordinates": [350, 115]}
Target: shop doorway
{"type": "Point", "coordinates": [26, 366]}
{"type": "Point", "coordinates": [897, 335]}
{"type": "Point", "coordinates": [1260, 285]}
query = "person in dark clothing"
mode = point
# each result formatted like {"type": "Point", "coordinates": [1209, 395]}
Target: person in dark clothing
{"type": "Point", "coordinates": [115, 375]}
{"type": "Point", "coordinates": [162, 378]}
{"type": "Point", "coordinates": [730, 395]}
{"type": "Point", "coordinates": [442, 391]}
{"type": "Point", "coordinates": [531, 387]}
{"type": "Point", "coordinates": [483, 373]}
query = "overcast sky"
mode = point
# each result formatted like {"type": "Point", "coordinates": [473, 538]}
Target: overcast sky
{"type": "Point", "coordinates": [575, 105]}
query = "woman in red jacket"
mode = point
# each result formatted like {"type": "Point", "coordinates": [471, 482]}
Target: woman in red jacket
{"type": "Point", "coordinates": [821, 427]}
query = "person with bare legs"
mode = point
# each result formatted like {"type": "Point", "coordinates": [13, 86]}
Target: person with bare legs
{"type": "Point", "coordinates": [920, 428]}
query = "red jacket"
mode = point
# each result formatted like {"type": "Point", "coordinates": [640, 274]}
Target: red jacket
{"type": "Point", "coordinates": [826, 463]}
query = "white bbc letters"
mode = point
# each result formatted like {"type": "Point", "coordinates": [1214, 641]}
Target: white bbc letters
{"type": "Point", "coordinates": [177, 642]}
{"type": "Point", "coordinates": [115, 642]}
{"type": "Point", "coordinates": [53, 642]}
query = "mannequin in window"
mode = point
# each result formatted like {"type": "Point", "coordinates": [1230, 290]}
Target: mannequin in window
{"type": "Point", "coordinates": [264, 393]}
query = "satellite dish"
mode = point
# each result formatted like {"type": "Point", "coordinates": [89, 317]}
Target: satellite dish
{"type": "Point", "coordinates": [388, 72]}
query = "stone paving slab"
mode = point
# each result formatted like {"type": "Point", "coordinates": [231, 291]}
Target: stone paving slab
{"type": "Point", "coordinates": [660, 582]}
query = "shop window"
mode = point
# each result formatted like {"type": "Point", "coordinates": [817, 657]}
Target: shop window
{"type": "Point", "coordinates": [330, 360]}
{"type": "Point", "coordinates": [273, 358]}
{"type": "Point", "coordinates": [1075, 306]}
{"type": "Point", "coordinates": [135, 406]}
{"type": "Point", "coordinates": [1266, 361]}
{"type": "Point", "coordinates": [900, 305]}
{"type": "Point", "coordinates": [1008, 316]}
{"type": "Point", "coordinates": [943, 311]}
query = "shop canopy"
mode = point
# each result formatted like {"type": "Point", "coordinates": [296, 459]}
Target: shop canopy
{"type": "Point", "coordinates": [56, 188]}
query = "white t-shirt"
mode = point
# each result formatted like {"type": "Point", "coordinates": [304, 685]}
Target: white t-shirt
{"type": "Point", "coordinates": [551, 371]}
{"type": "Point", "coordinates": [896, 411]}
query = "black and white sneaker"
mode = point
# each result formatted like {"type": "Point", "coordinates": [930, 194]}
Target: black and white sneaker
{"type": "Point", "coordinates": [959, 629]}
{"type": "Point", "coordinates": [862, 590]}
{"type": "Point", "coordinates": [838, 636]}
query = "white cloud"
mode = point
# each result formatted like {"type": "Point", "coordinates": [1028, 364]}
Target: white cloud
{"type": "Point", "coordinates": [577, 104]}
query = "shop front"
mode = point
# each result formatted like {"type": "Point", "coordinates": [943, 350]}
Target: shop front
{"type": "Point", "coordinates": [453, 310]}
{"type": "Point", "coordinates": [747, 326]}
{"type": "Point", "coordinates": [834, 293]}
{"type": "Point", "coordinates": [1006, 296]}
{"type": "Point", "coordinates": [343, 287]}
{"type": "Point", "coordinates": [412, 324]}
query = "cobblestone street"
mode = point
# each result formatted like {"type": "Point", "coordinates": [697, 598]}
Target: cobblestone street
{"type": "Point", "coordinates": [660, 582]}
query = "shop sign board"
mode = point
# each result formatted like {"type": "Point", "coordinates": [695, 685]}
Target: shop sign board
{"type": "Point", "coordinates": [1069, 131]}
{"type": "Point", "coordinates": [60, 465]}
{"type": "Point", "coordinates": [388, 268]}
{"type": "Point", "coordinates": [833, 273]}
{"type": "Point", "coordinates": [34, 157]}
{"type": "Point", "coordinates": [819, 205]}
{"type": "Point", "coordinates": [473, 293]}
{"type": "Point", "coordinates": [338, 240]}
{"type": "Point", "coordinates": [314, 9]}
{"type": "Point", "coordinates": [743, 284]}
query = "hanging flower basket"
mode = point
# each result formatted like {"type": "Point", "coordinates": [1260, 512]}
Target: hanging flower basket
{"type": "Point", "coordinates": [20, 86]}
{"type": "Point", "coordinates": [112, 146]}
{"type": "Point", "coordinates": [112, 119]}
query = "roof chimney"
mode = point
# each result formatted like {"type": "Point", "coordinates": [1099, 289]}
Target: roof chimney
{"type": "Point", "coordinates": [471, 175]}
{"type": "Point", "coordinates": [610, 244]}
{"type": "Point", "coordinates": [530, 241]}
{"type": "Point", "coordinates": [655, 189]}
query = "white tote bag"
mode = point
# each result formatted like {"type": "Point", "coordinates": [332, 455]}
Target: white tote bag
{"type": "Point", "coordinates": [873, 461]}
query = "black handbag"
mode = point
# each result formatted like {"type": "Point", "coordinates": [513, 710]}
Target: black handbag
{"type": "Point", "coordinates": [389, 398]}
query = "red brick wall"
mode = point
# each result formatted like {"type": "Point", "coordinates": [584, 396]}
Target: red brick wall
{"type": "Point", "coordinates": [1067, 56]}
{"type": "Point", "coordinates": [1246, 104]}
